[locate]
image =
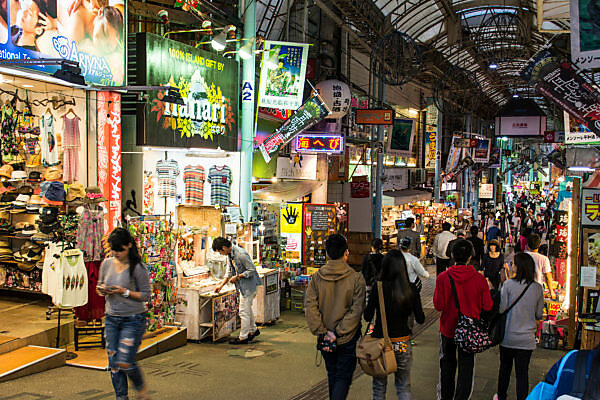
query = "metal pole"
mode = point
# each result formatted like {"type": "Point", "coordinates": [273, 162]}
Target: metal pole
{"type": "Point", "coordinates": [378, 184]}
{"type": "Point", "coordinates": [248, 14]}
{"type": "Point", "coordinates": [438, 156]}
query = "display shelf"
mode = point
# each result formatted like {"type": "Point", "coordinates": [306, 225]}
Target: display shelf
{"type": "Point", "coordinates": [14, 289]}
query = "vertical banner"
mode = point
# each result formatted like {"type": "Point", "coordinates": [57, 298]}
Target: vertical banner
{"type": "Point", "coordinates": [431, 136]}
{"type": "Point", "coordinates": [291, 228]}
{"type": "Point", "coordinates": [454, 155]}
{"type": "Point", "coordinates": [481, 151]}
{"type": "Point", "coordinates": [585, 41]}
{"type": "Point", "coordinates": [109, 155]}
{"type": "Point", "coordinates": [282, 75]}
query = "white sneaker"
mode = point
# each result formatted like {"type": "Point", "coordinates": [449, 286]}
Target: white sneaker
{"type": "Point", "coordinates": [495, 397]}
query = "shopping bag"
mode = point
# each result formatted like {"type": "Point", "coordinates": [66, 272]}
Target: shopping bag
{"type": "Point", "coordinates": [545, 390]}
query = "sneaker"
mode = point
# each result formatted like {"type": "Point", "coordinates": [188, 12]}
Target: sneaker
{"type": "Point", "coordinates": [237, 340]}
{"type": "Point", "coordinates": [253, 335]}
{"type": "Point", "coordinates": [495, 397]}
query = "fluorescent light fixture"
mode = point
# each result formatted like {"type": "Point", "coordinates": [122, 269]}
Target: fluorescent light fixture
{"type": "Point", "coordinates": [272, 60]}
{"type": "Point", "coordinates": [493, 65]}
{"type": "Point", "coordinates": [582, 169]}
{"type": "Point", "coordinates": [245, 51]}
{"type": "Point", "coordinates": [413, 112]}
{"type": "Point", "coordinates": [219, 41]}
{"type": "Point", "coordinates": [27, 85]}
{"type": "Point", "coordinates": [516, 96]}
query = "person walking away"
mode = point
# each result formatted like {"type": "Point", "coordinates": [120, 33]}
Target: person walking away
{"type": "Point", "coordinates": [522, 245]}
{"type": "Point", "coordinates": [125, 284]}
{"type": "Point", "coordinates": [416, 271]}
{"type": "Point", "coordinates": [242, 273]}
{"type": "Point", "coordinates": [371, 265]}
{"type": "Point", "coordinates": [493, 232]}
{"type": "Point", "coordinates": [408, 231]}
{"type": "Point", "coordinates": [460, 235]}
{"type": "Point", "coordinates": [419, 227]}
{"type": "Point", "coordinates": [493, 263]}
{"type": "Point", "coordinates": [516, 225]}
{"type": "Point", "coordinates": [334, 304]}
{"type": "Point", "coordinates": [478, 247]}
{"type": "Point", "coordinates": [402, 301]}
{"type": "Point", "coordinates": [521, 325]}
{"type": "Point", "coordinates": [473, 297]}
{"type": "Point", "coordinates": [542, 263]}
{"type": "Point", "coordinates": [440, 244]}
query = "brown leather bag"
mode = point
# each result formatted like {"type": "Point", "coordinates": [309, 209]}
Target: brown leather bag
{"type": "Point", "coordinates": [376, 356]}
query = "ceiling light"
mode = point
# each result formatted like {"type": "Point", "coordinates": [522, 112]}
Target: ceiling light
{"type": "Point", "coordinates": [245, 51]}
{"type": "Point", "coordinates": [493, 65]}
{"type": "Point", "coordinates": [582, 169]}
{"type": "Point", "coordinates": [516, 96]}
{"type": "Point", "coordinates": [272, 61]}
{"type": "Point", "coordinates": [220, 41]}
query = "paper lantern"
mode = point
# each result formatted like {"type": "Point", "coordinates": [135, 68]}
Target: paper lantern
{"type": "Point", "coordinates": [336, 95]}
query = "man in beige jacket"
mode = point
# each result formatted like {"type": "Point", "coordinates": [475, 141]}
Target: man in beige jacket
{"type": "Point", "coordinates": [335, 300]}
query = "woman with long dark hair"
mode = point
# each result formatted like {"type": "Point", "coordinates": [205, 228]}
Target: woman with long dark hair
{"type": "Point", "coordinates": [125, 283]}
{"type": "Point", "coordinates": [493, 263]}
{"type": "Point", "coordinates": [401, 299]}
{"type": "Point", "coordinates": [371, 265]}
{"type": "Point", "coordinates": [521, 325]}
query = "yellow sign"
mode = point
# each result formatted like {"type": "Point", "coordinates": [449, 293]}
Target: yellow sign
{"type": "Point", "coordinates": [291, 218]}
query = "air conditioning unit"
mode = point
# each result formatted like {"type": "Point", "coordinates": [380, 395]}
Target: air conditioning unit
{"type": "Point", "coordinates": [419, 176]}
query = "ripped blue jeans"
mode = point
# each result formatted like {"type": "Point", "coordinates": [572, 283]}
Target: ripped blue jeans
{"type": "Point", "coordinates": [123, 338]}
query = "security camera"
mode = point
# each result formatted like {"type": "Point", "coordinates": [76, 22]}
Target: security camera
{"type": "Point", "coordinates": [164, 15]}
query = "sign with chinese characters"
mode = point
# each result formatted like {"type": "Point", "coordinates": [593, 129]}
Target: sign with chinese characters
{"type": "Point", "coordinates": [277, 113]}
{"type": "Point", "coordinates": [209, 87]}
{"type": "Point", "coordinates": [520, 126]}
{"type": "Point", "coordinates": [84, 32]}
{"type": "Point", "coordinates": [585, 42]}
{"type": "Point", "coordinates": [311, 112]}
{"type": "Point", "coordinates": [291, 229]}
{"type": "Point", "coordinates": [319, 143]}
{"type": "Point", "coordinates": [431, 121]}
{"type": "Point", "coordinates": [336, 95]}
{"type": "Point", "coordinates": [486, 191]}
{"type": "Point", "coordinates": [395, 179]}
{"type": "Point", "coordinates": [282, 75]}
{"type": "Point", "coordinates": [319, 222]}
{"type": "Point", "coordinates": [590, 211]}
{"type": "Point", "coordinates": [374, 117]}
{"type": "Point", "coordinates": [481, 152]}
{"type": "Point", "coordinates": [577, 132]}
{"type": "Point", "coordinates": [109, 155]}
{"type": "Point", "coordinates": [304, 167]}
{"type": "Point", "coordinates": [400, 139]}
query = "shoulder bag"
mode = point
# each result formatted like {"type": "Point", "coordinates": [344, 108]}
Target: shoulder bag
{"type": "Point", "coordinates": [471, 334]}
{"type": "Point", "coordinates": [545, 390]}
{"type": "Point", "coordinates": [497, 326]}
{"type": "Point", "coordinates": [376, 356]}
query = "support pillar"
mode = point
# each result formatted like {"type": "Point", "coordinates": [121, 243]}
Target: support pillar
{"type": "Point", "coordinates": [438, 158]}
{"type": "Point", "coordinates": [377, 210]}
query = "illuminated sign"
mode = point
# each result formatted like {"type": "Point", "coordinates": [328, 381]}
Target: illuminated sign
{"type": "Point", "coordinates": [374, 117]}
{"type": "Point", "coordinates": [316, 143]}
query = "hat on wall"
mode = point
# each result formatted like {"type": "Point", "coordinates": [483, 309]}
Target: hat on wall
{"type": "Point", "coordinates": [53, 174]}
{"type": "Point", "coordinates": [25, 189]}
{"type": "Point", "coordinates": [54, 193]}
{"type": "Point", "coordinates": [34, 177]}
{"type": "Point", "coordinates": [18, 175]}
{"type": "Point", "coordinates": [75, 191]}
{"type": "Point", "coordinates": [93, 195]}
{"type": "Point", "coordinates": [6, 171]}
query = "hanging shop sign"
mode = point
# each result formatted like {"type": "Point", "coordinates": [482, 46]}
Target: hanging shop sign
{"type": "Point", "coordinates": [97, 46]}
{"type": "Point", "coordinates": [454, 155]}
{"type": "Point", "coordinates": [336, 95]}
{"type": "Point", "coordinates": [495, 158]}
{"type": "Point", "coordinates": [560, 83]}
{"type": "Point", "coordinates": [108, 121]}
{"type": "Point", "coordinates": [401, 137]}
{"type": "Point", "coordinates": [208, 84]}
{"type": "Point", "coordinates": [282, 75]}
{"type": "Point", "coordinates": [431, 121]}
{"type": "Point", "coordinates": [319, 222]}
{"type": "Point", "coordinates": [374, 117]}
{"type": "Point", "coordinates": [278, 113]}
{"type": "Point", "coordinates": [590, 207]}
{"type": "Point", "coordinates": [311, 112]}
{"type": "Point", "coordinates": [585, 44]}
{"type": "Point", "coordinates": [578, 133]}
{"type": "Point", "coordinates": [291, 229]}
{"type": "Point", "coordinates": [486, 191]}
{"type": "Point", "coordinates": [319, 143]}
{"type": "Point", "coordinates": [297, 167]}
{"type": "Point", "coordinates": [395, 179]}
{"type": "Point", "coordinates": [481, 152]}
{"type": "Point", "coordinates": [520, 126]}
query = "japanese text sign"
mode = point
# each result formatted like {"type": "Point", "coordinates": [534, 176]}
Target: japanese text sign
{"type": "Point", "coordinates": [374, 117]}
{"type": "Point", "coordinates": [590, 213]}
{"type": "Point", "coordinates": [317, 143]}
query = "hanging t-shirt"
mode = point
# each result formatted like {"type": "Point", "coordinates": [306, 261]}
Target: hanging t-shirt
{"type": "Point", "coordinates": [148, 193]}
{"type": "Point", "coordinates": [167, 172]}
{"type": "Point", "coordinates": [50, 270]}
{"type": "Point", "coordinates": [193, 177]}
{"type": "Point", "coordinates": [220, 185]}
{"type": "Point", "coordinates": [48, 143]}
{"type": "Point", "coordinates": [72, 288]}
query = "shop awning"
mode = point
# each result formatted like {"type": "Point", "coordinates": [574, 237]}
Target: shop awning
{"type": "Point", "coordinates": [405, 196]}
{"type": "Point", "coordinates": [286, 191]}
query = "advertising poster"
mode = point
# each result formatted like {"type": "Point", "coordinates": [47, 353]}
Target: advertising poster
{"type": "Point", "coordinates": [431, 121]}
{"type": "Point", "coordinates": [208, 84]}
{"type": "Point", "coordinates": [225, 315]}
{"type": "Point", "coordinates": [78, 31]}
{"type": "Point", "coordinates": [578, 133]}
{"type": "Point", "coordinates": [454, 155]}
{"type": "Point", "coordinates": [282, 75]}
{"type": "Point", "coordinates": [585, 34]}
{"type": "Point", "coordinates": [481, 151]}
{"type": "Point", "coordinates": [291, 229]}
{"type": "Point", "coordinates": [400, 140]}
{"type": "Point", "coordinates": [590, 207]}
{"type": "Point", "coordinates": [319, 222]}
{"type": "Point", "coordinates": [311, 112]}
{"type": "Point", "coordinates": [486, 191]}
{"type": "Point", "coordinates": [496, 158]}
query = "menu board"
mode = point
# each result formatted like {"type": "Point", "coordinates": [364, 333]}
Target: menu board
{"type": "Point", "coordinates": [319, 222]}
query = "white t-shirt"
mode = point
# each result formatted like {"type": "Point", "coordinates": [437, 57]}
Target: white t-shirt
{"type": "Point", "coordinates": [414, 268]}
{"type": "Point", "coordinates": [542, 266]}
{"type": "Point", "coordinates": [72, 287]}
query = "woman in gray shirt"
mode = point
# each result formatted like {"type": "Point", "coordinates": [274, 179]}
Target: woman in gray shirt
{"type": "Point", "coordinates": [521, 325]}
{"type": "Point", "coordinates": [125, 284]}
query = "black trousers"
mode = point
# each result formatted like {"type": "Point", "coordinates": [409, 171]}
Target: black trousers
{"type": "Point", "coordinates": [521, 359]}
{"type": "Point", "coordinates": [340, 366]}
{"type": "Point", "coordinates": [441, 265]}
{"type": "Point", "coordinates": [448, 366]}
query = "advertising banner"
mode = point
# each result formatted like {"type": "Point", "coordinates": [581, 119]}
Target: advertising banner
{"type": "Point", "coordinates": [400, 140]}
{"type": "Point", "coordinates": [431, 121]}
{"type": "Point", "coordinates": [454, 155]}
{"type": "Point", "coordinates": [108, 121]}
{"type": "Point", "coordinates": [320, 143]}
{"type": "Point", "coordinates": [585, 41]}
{"type": "Point", "coordinates": [486, 191]}
{"type": "Point", "coordinates": [374, 117]}
{"type": "Point", "coordinates": [208, 84]}
{"type": "Point", "coordinates": [481, 152]}
{"type": "Point", "coordinates": [577, 133]}
{"type": "Point", "coordinates": [282, 75]}
{"type": "Point", "coordinates": [311, 112]}
{"type": "Point", "coordinates": [291, 229]}
{"type": "Point", "coordinates": [590, 207]}
{"type": "Point", "coordinates": [77, 31]}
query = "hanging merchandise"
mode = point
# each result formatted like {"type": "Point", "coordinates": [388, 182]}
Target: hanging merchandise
{"type": "Point", "coordinates": [71, 145]}
{"type": "Point", "coordinates": [90, 232]}
{"type": "Point", "coordinates": [72, 285]}
{"type": "Point", "coordinates": [193, 177]}
{"type": "Point", "coordinates": [156, 241]}
{"type": "Point", "coordinates": [167, 172]}
{"type": "Point", "coordinates": [219, 178]}
{"type": "Point", "coordinates": [9, 143]}
{"type": "Point", "coordinates": [148, 206]}
{"type": "Point", "coordinates": [49, 143]}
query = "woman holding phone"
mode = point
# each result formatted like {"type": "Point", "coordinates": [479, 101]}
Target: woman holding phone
{"type": "Point", "coordinates": [125, 284]}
